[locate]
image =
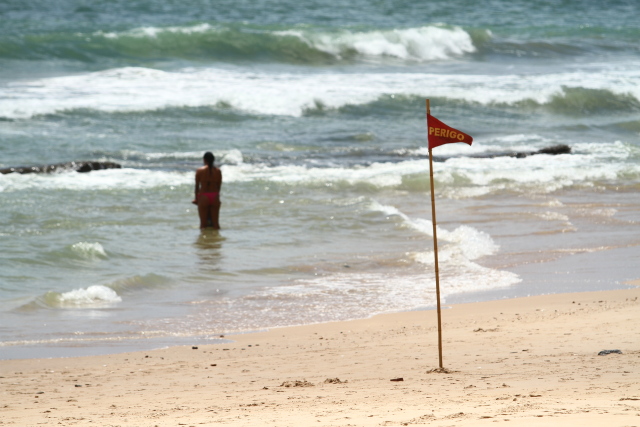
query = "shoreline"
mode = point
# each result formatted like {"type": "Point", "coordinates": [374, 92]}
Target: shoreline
{"type": "Point", "coordinates": [137, 345]}
{"type": "Point", "coordinates": [526, 361]}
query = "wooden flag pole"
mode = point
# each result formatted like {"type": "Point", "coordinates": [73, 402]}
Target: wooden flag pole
{"type": "Point", "coordinates": [435, 247]}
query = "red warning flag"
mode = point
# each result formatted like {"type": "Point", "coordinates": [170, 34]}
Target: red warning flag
{"type": "Point", "coordinates": [440, 134]}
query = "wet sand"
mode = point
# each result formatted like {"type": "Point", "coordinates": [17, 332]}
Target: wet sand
{"type": "Point", "coordinates": [522, 362]}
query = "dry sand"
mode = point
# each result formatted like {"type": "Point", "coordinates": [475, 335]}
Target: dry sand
{"type": "Point", "coordinates": [523, 362]}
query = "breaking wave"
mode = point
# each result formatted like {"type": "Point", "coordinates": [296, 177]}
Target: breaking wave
{"type": "Point", "coordinates": [238, 42]}
{"type": "Point", "coordinates": [228, 94]}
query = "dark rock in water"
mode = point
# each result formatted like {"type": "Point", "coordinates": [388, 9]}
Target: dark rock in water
{"type": "Point", "coordinates": [605, 352]}
{"type": "Point", "coordinates": [553, 150]}
{"type": "Point", "coordinates": [556, 149]}
{"type": "Point", "coordinates": [62, 167]}
{"type": "Point", "coordinates": [88, 166]}
{"type": "Point", "coordinates": [92, 166]}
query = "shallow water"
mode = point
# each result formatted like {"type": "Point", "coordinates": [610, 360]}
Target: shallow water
{"type": "Point", "coordinates": [317, 118]}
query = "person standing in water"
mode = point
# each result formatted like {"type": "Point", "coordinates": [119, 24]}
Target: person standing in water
{"type": "Point", "coordinates": [208, 184]}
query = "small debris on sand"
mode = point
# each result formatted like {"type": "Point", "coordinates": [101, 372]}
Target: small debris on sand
{"type": "Point", "coordinates": [605, 352]}
{"type": "Point", "coordinates": [297, 383]}
{"type": "Point", "coordinates": [334, 381]}
{"type": "Point", "coordinates": [440, 371]}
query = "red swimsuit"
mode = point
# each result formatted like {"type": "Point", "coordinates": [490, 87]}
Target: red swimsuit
{"type": "Point", "coordinates": [211, 196]}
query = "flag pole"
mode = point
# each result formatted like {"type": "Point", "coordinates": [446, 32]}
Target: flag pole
{"type": "Point", "coordinates": [435, 247]}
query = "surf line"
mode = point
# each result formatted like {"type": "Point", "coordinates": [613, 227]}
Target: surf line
{"type": "Point", "coordinates": [439, 134]}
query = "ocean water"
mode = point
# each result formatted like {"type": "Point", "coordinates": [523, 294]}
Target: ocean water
{"type": "Point", "coordinates": [316, 114]}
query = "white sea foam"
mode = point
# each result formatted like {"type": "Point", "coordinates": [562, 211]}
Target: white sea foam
{"type": "Point", "coordinates": [332, 297]}
{"type": "Point", "coordinates": [418, 44]}
{"type": "Point", "coordinates": [470, 243]}
{"type": "Point", "coordinates": [89, 250]}
{"type": "Point", "coordinates": [358, 294]}
{"type": "Point", "coordinates": [540, 173]}
{"type": "Point", "coordinates": [553, 203]}
{"type": "Point", "coordinates": [181, 155]}
{"type": "Point", "coordinates": [153, 32]}
{"type": "Point", "coordinates": [130, 179]}
{"type": "Point", "coordinates": [459, 177]}
{"type": "Point", "coordinates": [286, 93]}
{"type": "Point", "coordinates": [602, 152]}
{"type": "Point", "coordinates": [499, 143]}
{"type": "Point", "coordinates": [456, 256]}
{"type": "Point", "coordinates": [342, 296]}
{"type": "Point", "coordinates": [92, 296]}
{"type": "Point", "coordinates": [233, 156]}
{"type": "Point", "coordinates": [379, 174]}
{"type": "Point", "coordinates": [553, 216]}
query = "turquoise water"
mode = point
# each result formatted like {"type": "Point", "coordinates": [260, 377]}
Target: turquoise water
{"type": "Point", "coordinates": [316, 114]}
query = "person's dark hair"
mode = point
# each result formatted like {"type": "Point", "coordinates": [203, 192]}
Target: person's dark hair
{"type": "Point", "coordinates": [209, 158]}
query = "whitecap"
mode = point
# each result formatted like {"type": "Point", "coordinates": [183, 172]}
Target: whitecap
{"type": "Point", "coordinates": [419, 44]}
{"type": "Point", "coordinates": [89, 250]}
{"type": "Point", "coordinates": [96, 295]}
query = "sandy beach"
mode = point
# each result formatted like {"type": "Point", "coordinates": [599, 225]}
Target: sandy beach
{"type": "Point", "coordinates": [524, 362]}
